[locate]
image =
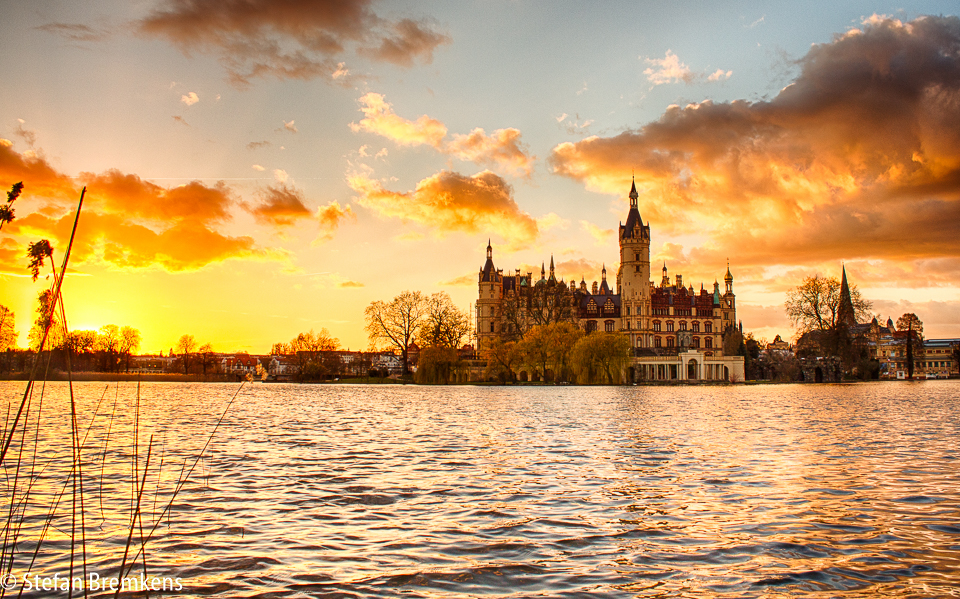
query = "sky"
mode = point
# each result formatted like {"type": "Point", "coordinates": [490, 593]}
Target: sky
{"type": "Point", "coordinates": [256, 169]}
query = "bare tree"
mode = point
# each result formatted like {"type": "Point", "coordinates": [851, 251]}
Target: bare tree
{"type": "Point", "coordinates": [129, 343]}
{"type": "Point", "coordinates": [396, 323]}
{"type": "Point", "coordinates": [108, 344]}
{"type": "Point", "coordinates": [309, 349]}
{"type": "Point", "coordinates": [8, 333]}
{"type": "Point", "coordinates": [206, 353]}
{"type": "Point", "coordinates": [814, 305]}
{"type": "Point", "coordinates": [444, 324]}
{"type": "Point", "coordinates": [185, 346]}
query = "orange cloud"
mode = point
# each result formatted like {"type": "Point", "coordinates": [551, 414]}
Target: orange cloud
{"type": "Point", "coordinates": [119, 193]}
{"type": "Point", "coordinates": [126, 221]}
{"type": "Point", "coordinates": [184, 246]}
{"type": "Point", "coordinates": [289, 39]}
{"type": "Point", "coordinates": [379, 118]}
{"type": "Point", "coordinates": [461, 281]}
{"type": "Point", "coordinates": [281, 207]}
{"type": "Point", "coordinates": [858, 158]}
{"type": "Point", "coordinates": [450, 202]}
{"type": "Point", "coordinates": [330, 217]}
{"type": "Point", "coordinates": [502, 148]}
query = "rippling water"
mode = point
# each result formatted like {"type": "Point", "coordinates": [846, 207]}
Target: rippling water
{"type": "Point", "coordinates": [820, 490]}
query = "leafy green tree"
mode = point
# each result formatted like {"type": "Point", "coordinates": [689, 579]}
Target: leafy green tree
{"type": "Point", "coordinates": [502, 358]}
{"type": "Point", "coordinates": [437, 364]}
{"type": "Point", "coordinates": [911, 325]}
{"type": "Point", "coordinates": [546, 349]}
{"type": "Point", "coordinates": [600, 358]}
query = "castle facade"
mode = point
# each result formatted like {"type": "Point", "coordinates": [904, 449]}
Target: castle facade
{"type": "Point", "coordinates": [676, 332]}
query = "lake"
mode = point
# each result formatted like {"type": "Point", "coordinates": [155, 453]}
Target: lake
{"type": "Point", "coordinates": [360, 491]}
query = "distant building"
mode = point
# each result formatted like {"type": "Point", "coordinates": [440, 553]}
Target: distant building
{"type": "Point", "coordinates": [940, 358]}
{"type": "Point", "coordinates": [676, 332]}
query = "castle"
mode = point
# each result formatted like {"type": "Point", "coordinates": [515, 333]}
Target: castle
{"type": "Point", "coordinates": [676, 332]}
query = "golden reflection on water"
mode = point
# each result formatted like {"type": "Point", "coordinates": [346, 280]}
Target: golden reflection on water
{"type": "Point", "coordinates": [816, 490]}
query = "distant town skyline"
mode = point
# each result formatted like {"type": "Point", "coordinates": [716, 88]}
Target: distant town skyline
{"type": "Point", "coordinates": [258, 170]}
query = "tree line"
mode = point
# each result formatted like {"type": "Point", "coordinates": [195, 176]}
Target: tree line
{"type": "Point", "coordinates": [559, 352]}
{"type": "Point", "coordinates": [555, 350]}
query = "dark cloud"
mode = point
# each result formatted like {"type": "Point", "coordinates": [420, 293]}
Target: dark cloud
{"type": "Point", "coordinates": [256, 145]}
{"type": "Point", "coordinates": [408, 40]}
{"type": "Point", "coordinates": [281, 206]}
{"type": "Point", "coordinates": [288, 39]}
{"type": "Point", "coordinates": [73, 32]}
{"type": "Point", "coordinates": [858, 158]}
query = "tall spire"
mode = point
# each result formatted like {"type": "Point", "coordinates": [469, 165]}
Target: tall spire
{"type": "Point", "coordinates": [845, 312]}
{"type": "Point", "coordinates": [633, 193]}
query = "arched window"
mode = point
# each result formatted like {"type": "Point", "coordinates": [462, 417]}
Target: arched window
{"type": "Point", "coordinates": [708, 327]}
{"type": "Point", "coordinates": [591, 326]}
{"type": "Point", "coordinates": [656, 327]}
{"type": "Point", "coordinates": [669, 326]}
{"type": "Point", "coordinates": [708, 342]}
{"type": "Point", "coordinates": [696, 342]}
{"type": "Point", "coordinates": [656, 342]}
{"type": "Point", "coordinates": [608, 326]}
{"type": "Point", "coordinates": [669, 341]}
{"type": "Point", "coordinates": [696, 327]}
{"type": "Point", "coordinates": [683, 325]}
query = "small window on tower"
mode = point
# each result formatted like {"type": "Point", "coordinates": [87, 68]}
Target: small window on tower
{"type": "Point", "coordinates": [638, 268]}
{"type": "Point", "coordinates": [637, 258]}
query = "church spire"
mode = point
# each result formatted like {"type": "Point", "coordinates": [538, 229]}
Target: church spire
{"type": "Point", "coordinates": [845, 313]}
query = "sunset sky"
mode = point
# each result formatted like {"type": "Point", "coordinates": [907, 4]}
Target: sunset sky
{"type": "Point", "coordinates": [256, 169]}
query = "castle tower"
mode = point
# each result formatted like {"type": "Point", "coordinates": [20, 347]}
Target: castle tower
{"type": "Point", "coordinates": [633, 276]}
{"type": "Point", "coordinates": [488, 302]}
{"type": "Point", "coordinates": [728, 303]}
